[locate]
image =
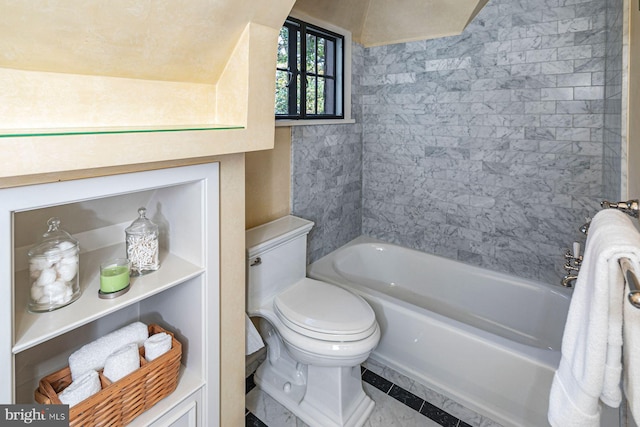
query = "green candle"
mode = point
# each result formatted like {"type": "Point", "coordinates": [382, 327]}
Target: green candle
{"type": "Point", "coordinates": [114, 278]}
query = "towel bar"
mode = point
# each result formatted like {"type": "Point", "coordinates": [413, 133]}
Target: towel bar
{"type": "Point", "coordinates": [630, 207]}
{"type": "Point", "coordinates": [632, 281]}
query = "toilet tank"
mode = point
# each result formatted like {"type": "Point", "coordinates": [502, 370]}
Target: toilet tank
{"type": "Point", "coordinates": [276, 258]}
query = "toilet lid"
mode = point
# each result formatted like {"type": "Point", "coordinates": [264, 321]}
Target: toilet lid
{"type": "Point", "coordinates": [324, 311]}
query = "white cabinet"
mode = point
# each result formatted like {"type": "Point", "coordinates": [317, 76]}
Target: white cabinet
{"type": "Point", "coordinates": [182, 296]}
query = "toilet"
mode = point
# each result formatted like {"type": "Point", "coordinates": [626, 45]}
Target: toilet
{"type": "Point", "coordinates": [317, 334]}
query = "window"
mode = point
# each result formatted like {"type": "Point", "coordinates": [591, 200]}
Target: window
{"type": "Point", "coordinates": [309, 73]}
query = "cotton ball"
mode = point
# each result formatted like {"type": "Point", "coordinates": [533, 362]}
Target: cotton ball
{"type": "Point", "coordinates": [54, 289]}
{"type": "Point", "coordinates": [47, 277]}
{"type": "Point", "coordinates": [55, 292]}
{"type": "Point", "coordinates": [63, 246]}
{"type": "Point", "coordinates": [39, 263]}
{"type": "Point", "coordinates": [69, 259]}
{"type": "Point", "coordinates": [59, 299]}
{"type": "Point", "coordinates": [45, 299]}
{"type": "Point", "coordinates": [34, 273]}
{"type": "Point", "coordinates": [53, 255]}
{"type": "Point", "coordinates": [66, 272]}
{"type": "Point", "coordinates": [67, 295]}
{"type": "Point", "coordinates": [37, 292]}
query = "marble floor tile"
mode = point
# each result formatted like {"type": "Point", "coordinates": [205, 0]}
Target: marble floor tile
{"type": "Point", "coordinates": [390, 412]}
{"type": "Point", "coordinates": [399, 402]}
{"type": "Point", "coordinates": [434, 398]}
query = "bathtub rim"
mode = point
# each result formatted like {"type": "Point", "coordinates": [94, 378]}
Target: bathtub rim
{"type": "Point", "coordinates": [362, 239]}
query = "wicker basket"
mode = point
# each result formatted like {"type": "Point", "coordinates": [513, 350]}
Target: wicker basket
{"type": "Point", "coordinates": [118, 403]}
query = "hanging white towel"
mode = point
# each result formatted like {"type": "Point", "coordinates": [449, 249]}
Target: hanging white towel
{"type": "Point", "coordinates": [631, 356]}
{"type": "Point", "coordinates": [253, 341]}
{"type": "Point", "coordinates": [590, 366]}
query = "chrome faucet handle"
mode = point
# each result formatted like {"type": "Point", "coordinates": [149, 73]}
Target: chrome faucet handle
{"type": "Point", "coordinates": [570, 267]}
{"type": "Point", "coordinates": [584, 228]}
{"type": "Point", "coordinates": [630, 207]}
{"type": "Point", "coordinates": [571, 258]}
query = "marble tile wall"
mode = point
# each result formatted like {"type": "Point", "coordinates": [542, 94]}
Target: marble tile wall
{"type": "Point", "coordinates": [612, 135]}
{"type": "Point", "coordinates": [488, 147]}
{"type": "Point", "coordinates": [485, 147]}
{"type": "Point", "coordinates": [326, 169]}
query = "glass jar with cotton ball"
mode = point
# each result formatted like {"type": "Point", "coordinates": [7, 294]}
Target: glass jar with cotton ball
{"type": "Point", "coordinates": [142, 244]}
{"type": "Point", "coordinates": [53, 270]}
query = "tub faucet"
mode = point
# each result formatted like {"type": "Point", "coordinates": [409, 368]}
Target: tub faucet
{"type": "Point", "coordinates": [569, 280]}
{"type": "Point", "coordinates": [572, 265]}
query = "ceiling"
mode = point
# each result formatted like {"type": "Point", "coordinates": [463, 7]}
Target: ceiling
{"type": "Point", "coordinates": [192, 40]}
{"type": "Point", "coordinates": [174, 40]}
{"type": "Point", "coordinates": [380, 22]}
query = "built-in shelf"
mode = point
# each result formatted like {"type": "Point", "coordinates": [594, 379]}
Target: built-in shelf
{"type": "Point", "coordinates": [182, 296]}
{"type": "Point", "coordinates": [34, 328]}
{"type": "Point", "coordinates": [15, 133]}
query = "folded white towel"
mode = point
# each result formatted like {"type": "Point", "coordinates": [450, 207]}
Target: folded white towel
{"type": "Point", "coordinates": [93, 355]}
{"type": "Point", "coordinates": [122, 362]}
{"type": "Point", "coordinates": [590, 366]}
{"type": "Point", "coordinates": [84, 387]}
{"type": "Point", "coordinates": [253, 340]}
{"type": "Point", "coordinates": [156, 345]}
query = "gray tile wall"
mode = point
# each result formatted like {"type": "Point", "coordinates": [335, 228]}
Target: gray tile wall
{"type": "Point", "coordinates": [612, 173]}
{"type": "Point", "coordinates": [326, 182]}
{"type": "Point", "coordinates": [485, 147]}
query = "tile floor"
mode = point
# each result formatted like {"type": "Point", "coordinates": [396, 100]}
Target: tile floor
{"type": "Point", "coordinates": [400, 402]}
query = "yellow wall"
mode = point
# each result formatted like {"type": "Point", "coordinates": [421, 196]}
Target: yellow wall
{"type": "Point", "coordinates": [50, 79]}
{"type": "Point", "coordinates": [243, 96]}
{"type": "Point", "coordinates": [232, 290]}
{"type": "Point", "coordinates": [268, 175]}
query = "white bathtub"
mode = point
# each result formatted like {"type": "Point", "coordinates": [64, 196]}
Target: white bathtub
{"type": "Point", "coordinates": [487, 340]}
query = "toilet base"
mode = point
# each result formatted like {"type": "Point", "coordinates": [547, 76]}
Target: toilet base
{"type": "Point", "coordinates": [329, 396]}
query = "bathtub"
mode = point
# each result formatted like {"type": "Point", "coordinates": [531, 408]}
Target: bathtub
{"type": "Point", "coordinates": [487, 340]}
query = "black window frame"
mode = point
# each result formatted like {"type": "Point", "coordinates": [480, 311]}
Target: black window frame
{"type": "Point", "coordinates": [299, 74]}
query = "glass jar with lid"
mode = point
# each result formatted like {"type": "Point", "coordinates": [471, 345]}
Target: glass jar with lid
{"type": "Point", "coordinates": [142, 244]}
{"type": "Point", "coordinates": [53, 270]}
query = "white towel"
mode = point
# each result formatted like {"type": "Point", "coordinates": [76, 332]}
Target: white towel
{"type": "Point", "coordinates": [253, 341]}
{"type": "Point", "coordinates": [156, 345]}
{"type": "Point", "coordinates": [122, 362]}
{"type": "Point", "coordinates": [82, 388]}
{"type": "Point", "coordinates": [93, 355]}
{"type": "Point", "coordinates": [590, 365]}
{"type": "Point", "coordinates": [631, 356]}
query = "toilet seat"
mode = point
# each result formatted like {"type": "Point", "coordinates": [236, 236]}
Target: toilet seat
{"type": "Point", "coordinates": [324, 311]}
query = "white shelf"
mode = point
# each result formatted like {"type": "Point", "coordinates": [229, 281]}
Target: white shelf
{"type": "Point", "coordinates": [32, 329]}
{"type": "Point", "coordinates": [188, 383]}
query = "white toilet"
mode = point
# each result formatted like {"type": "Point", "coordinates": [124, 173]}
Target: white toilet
{"type": "Point", "coordinates": [317, 334]}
